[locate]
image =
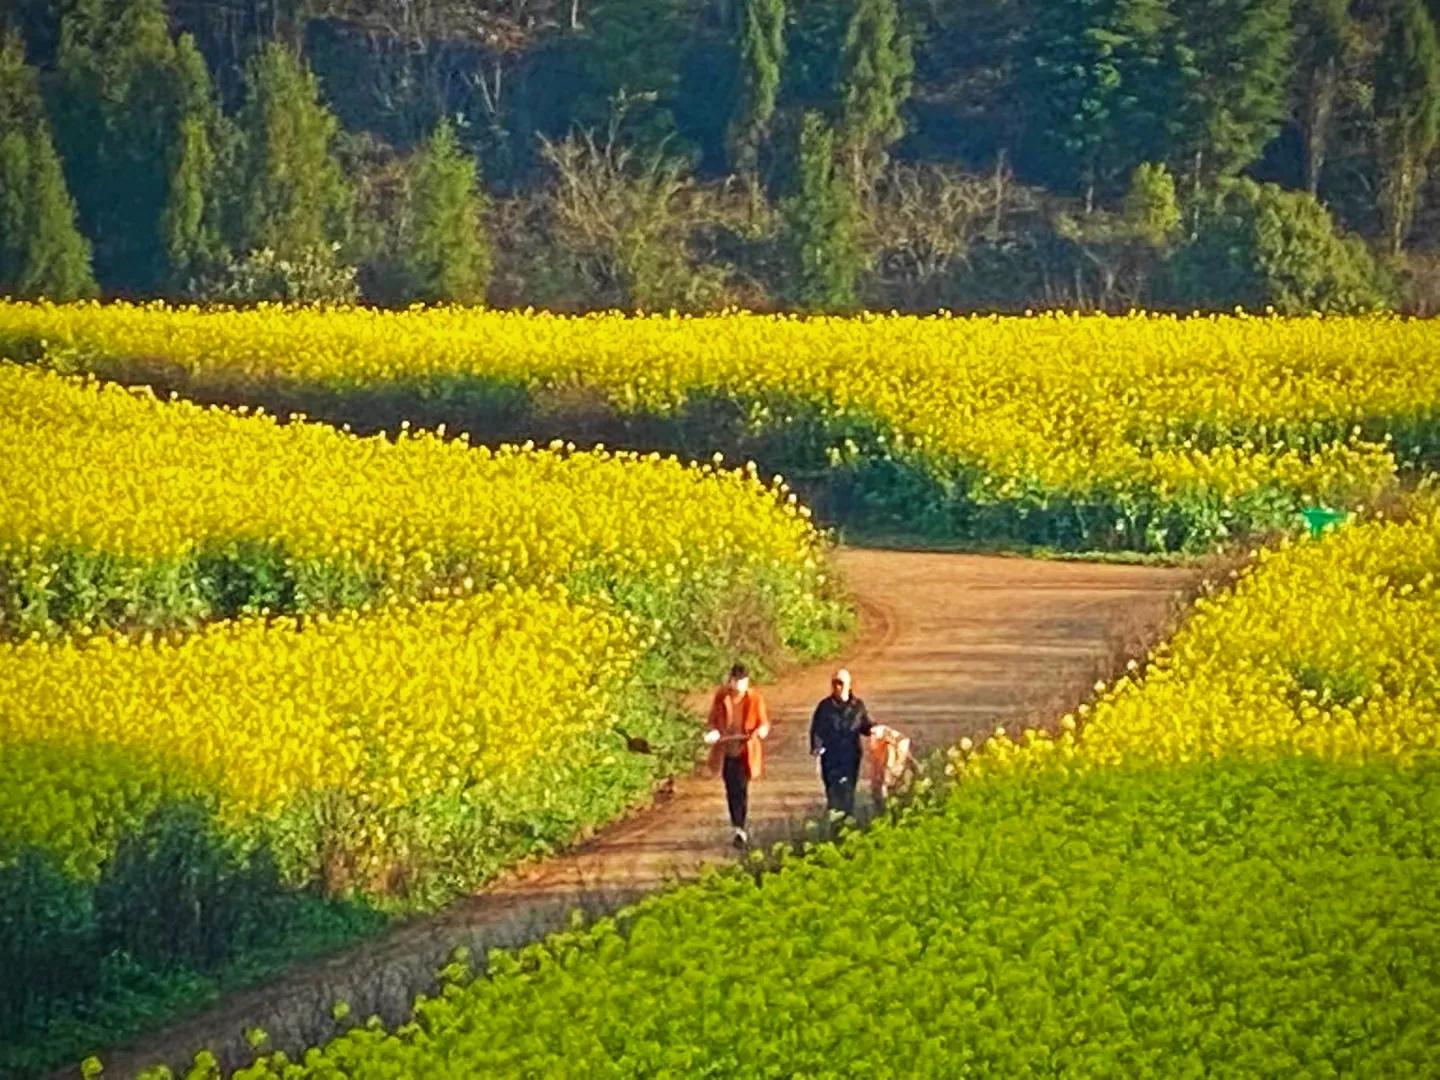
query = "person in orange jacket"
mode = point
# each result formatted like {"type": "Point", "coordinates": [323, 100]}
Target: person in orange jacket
{"type": "Point", "coordinates": [735, 732]}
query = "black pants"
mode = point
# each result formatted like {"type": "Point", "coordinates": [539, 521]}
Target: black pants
{"type": "Point", "coordinates": [840, 790]}
{"type": "Point", "coordinates": [737, 788]}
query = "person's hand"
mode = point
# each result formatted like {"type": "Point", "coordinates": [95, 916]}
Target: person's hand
{"type": "Point", "coordinates": [712, 737]}
{"type": "Point", "coordinates": [763, 731]}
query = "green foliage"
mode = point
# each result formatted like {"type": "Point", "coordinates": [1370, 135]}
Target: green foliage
{"type": "Point", "coordinates": [124, 95]}
{"type": "Point", "coordinates": [42, 253]}
{"type": "Point", "coordinates": [192, 221]}
{"type": "Point", "coordinates": [47, 940]}
{"type": "Point", "coordinates": [622, 225]}
{"type": "Point", "coordinates": [1074, 95]}
{"type": "Point", "coordinates": [446, 255]}
{"type": "Point", "coordinates": [633, 53]}
{"type": "Point", "coordinates": [1036, 924]}
{"type": "Point", "coordinates": [1094, 87]}
{"type": "Point", "coordinates": [1327, 40]}
{"type": "Point", "coordinates": [814, 45]}
{"type": "Point", "coordinates": [54, 593]}
{"type": "Point", "coordinates": [294, 199]}
{"type": "Point", "coordinates": [1407, 111]}
{"type": "Point", "coordinates": [175, 893]}
{"type": "Point", "coordinates": [1123, 251]}
{"type": "Point", "coordinates": [762, 58]}
{"type": "Point", "coordinates": [1235, 70]}
{"type": "Point", "coordinates": [81, 992]}
{"type": "Point", "coordinates": [821, 226]}
{"type": "Point", "coordinates": [1152, 210]}
{"type": "Point", "coordinates": [876, 68]}
{"type": "Point", "coordinates": [1259, 246]}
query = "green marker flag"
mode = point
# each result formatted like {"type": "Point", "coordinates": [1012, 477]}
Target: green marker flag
{"type": "Point", "coordinates": [1320, 518]}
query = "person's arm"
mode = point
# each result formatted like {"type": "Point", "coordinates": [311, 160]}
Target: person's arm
{"type": "Point", "coordinates": [815, 743]}
{"type": "Point", "coordinates": [863, 724]}
{"type": "Point", "coordinates": [715, 722]}
{"type": "Point", "coordinates": [762, 730]}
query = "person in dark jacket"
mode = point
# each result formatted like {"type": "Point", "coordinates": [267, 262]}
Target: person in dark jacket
{"type": "Point", "coordinates": [839, 722]}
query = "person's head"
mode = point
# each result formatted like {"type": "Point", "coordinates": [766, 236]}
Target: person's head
{"type": "Point", "coordinates": [739, 680]}
{"type": "Point", "coordinates": [840, 685]}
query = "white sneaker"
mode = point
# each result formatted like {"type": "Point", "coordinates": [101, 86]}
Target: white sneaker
{"type": "Point", "coordinates": [742, 838]}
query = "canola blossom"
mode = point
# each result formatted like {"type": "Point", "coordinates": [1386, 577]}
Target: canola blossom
{"type": "Point", "coordinates": [255, 673]}
{"type": "Point", "coordinates": [499, 702]}
{"type": "Point", "coordinates": [1143, 432]}
{"type": "Point", "coordinates": [1329, 649]}
{"type": "Point", "coordinates": [1224, 866]}
{"type": "Point", "coordinates": [125, 510]}
{"type": "Point", "coordinates": [472, 623]}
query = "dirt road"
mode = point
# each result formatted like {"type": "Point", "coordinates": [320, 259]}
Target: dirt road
{"type": "Point", "coordinates": [949, 645]}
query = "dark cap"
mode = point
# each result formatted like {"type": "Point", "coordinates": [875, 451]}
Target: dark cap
{"type": "Point", "coordinates": [739, 671]}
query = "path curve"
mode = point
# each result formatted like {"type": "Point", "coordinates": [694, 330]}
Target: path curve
{"type": "Point", "coordinates": [949, 645]}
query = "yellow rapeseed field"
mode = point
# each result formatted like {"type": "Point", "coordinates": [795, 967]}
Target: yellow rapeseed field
{"type": "Point", "coordinates": [1143, 417]}
{"type": "Point", "coordinates": [97, 470]}
{"type": "Point", "coordinates": [1230, 869]}
{"type": "Point", "coordinates": [457, 708]}
{"type": "Point", "coordinates": [488, 695]}
{"type": "Point", "coordinates": [1330, 649]}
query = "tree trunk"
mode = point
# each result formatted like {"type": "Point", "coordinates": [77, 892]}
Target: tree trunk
{"type": "Point", "coordinates": [1001, 176]}
{"type": "Point", "coordinates": [1403, 208]}
{"type": "Point", "coordinates": [1315, 122]}
{"type": "Point", "coordinates": [1197, 171]}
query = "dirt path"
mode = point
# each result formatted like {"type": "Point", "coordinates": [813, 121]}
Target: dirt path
{"type": "Point", "coordinates": [950, 645]}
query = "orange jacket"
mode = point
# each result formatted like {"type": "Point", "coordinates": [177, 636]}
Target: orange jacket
{"type": "Point", "coordinates": [754, 721]}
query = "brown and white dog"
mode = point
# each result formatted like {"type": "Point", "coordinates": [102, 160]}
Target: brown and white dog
{"type": "Point", "coordinates": [889, 762]}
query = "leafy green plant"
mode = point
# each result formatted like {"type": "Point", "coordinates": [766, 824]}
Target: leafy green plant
{"type": "Point", "coordinates": [1259, 246]}
{"type": "Point", "coordinates": [1034, 922]}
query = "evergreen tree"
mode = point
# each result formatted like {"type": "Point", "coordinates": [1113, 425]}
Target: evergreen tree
{"type": "Point", "coordinates": [632, 53]}
{"type": "Point", "coordinates": [876, 68]}
{"type": "Point", "coordinates": [821, 226]}
{"type": "Point", "coordinates": [1094, 89]}
{"type": "Point", "coordinates": [446, 257]}
{"type": "Point", "coordinates": [762, 58]}
{"type": "Point", "coordinates": [1407, 113]}
{"type": "Point", "coordinates": [814, 42]}
{"type": "Point", "coordinates": [294, 198]}
{"type": "Point", "coordinates": [1152, 209]}
{"type": "Point", "coordinates": [190, 225]}
{"type": "Point", "coordinates": [1234, 64]}
{"type": "Point", "coordinates": [42, 253]}
{"type": "Point", "coordinates": [1326, 44]}
{"type": "Point", "coordinates": [119, 91]}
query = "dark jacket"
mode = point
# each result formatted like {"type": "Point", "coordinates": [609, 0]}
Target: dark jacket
{"type": "Point", "coordinates": [835, 732]}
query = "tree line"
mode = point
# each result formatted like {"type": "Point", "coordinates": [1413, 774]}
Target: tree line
{"type": "Point", "coordinates": [905, 154]}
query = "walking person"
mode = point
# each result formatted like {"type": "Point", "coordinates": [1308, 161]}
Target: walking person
{"type": "Point", "coordinates": [737, 726]}
{"type": "Point", "coordinates": [839, 722]}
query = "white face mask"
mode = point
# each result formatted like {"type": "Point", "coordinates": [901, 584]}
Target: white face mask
{"type": "Point", "coordinates": [741, 686]}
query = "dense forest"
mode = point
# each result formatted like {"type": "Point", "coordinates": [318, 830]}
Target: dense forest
{"type": "Point", "coordinates": [696, 154]}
